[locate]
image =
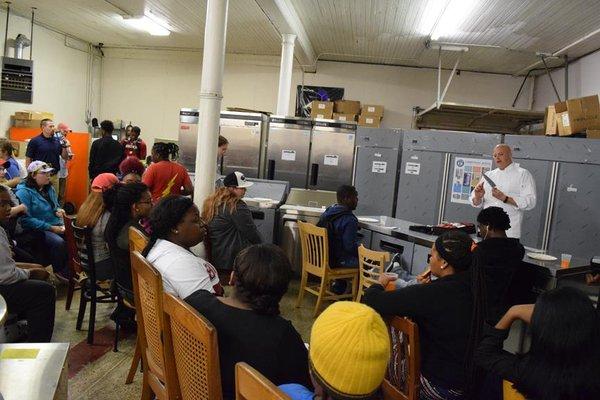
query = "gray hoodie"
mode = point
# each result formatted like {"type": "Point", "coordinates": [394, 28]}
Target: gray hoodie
{"type": "Point", "coordinates": [9, 272]}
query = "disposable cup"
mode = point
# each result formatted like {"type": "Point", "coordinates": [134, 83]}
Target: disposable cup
{"type": "Point", "coordinates": [565, 260]}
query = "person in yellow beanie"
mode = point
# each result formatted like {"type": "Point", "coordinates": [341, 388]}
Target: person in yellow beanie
{"type": "Point", "coordinates": [349, 354]}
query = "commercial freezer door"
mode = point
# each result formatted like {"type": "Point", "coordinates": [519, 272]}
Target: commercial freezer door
{"type": "Point", "coordinates": [188, 133]}
{"type": "Point", "coordinates": [288, 151]}
{"type": "Point", "coordinates": [243, 152]}
{"type": "Point", "coordinates": [575, 227]}
{"type": "Point", "coordinates": [331, 157]}
{"type": "Point", "coordinates": [420, 186]}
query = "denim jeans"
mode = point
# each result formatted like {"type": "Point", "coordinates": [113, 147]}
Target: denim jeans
{"type": "Point", "coordinates": [56, 248]}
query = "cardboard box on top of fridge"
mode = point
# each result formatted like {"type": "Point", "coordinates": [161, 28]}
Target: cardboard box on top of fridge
{"type": "Point", "coordinates": [33, 115]}
{"type": "Point", "coordinates": [550, 122]}
{"type": "Point", "coordinates": [344, 117]}
{"type": "Point", "coordinates": [346, 107]}
{"type": "Point", "coordinates": [577, 115]}
{"type": "Point", "coordinates": [372, 109]}
{"type": "Point", "coordinates": [372, 121]}
{"type": "Point", "coordinates": [593, 134]}
{"type": "Point", "coordinates": [321, 109]}
{"type": "Point", "coordinates": [26, 123]}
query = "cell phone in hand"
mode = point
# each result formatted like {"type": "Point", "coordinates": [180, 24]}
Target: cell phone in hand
{"type": "Point", "coordinates": [489, 180]}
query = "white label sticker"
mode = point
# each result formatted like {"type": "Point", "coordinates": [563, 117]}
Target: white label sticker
{"type": "Point", "coordinates": [412, 168]}
{"type": "Point", "coordinates": [377, 155]}
{"type": "Point", "coordinates": [570, 188]}
{"type": "Point", "coordinates": [379, 167]}
{"type": "Point", "coordinates": [369, 120]}
{"type": "Point", "coordinates": [414, 157]}
{"type": "Point", "coordinates": [565, 119]}
{"type": "Point", "coordinates": [342, 118]}
{"type": "Point", "coordinates": [288, 155]}
{"type": "Point", "coordinates": [321, 106]}
{"type": "Point", "coordinates": [331, 159]}
{"type": "Point", "coordinates": [370, 109]}
{"type": "Point", "coordinates": [320, 116]}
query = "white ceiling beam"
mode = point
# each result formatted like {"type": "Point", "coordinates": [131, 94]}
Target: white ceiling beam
{"type": "Point", "coordinates": [285, 19]}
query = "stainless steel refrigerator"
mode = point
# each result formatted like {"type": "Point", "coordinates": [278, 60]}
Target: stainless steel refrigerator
{"type": "Point", "coordinates": [247, 135]}
{"type": "Point", "coordinates": [377, 163]}
{"type": "Point", "coordinates": [188, 131]}
{"type": "Point", "coordinates": [331, 154]}
{"type": "Point", "coordinates": [288, 150]}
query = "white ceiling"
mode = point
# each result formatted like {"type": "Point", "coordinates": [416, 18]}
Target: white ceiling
{"type": "Point", "coordinates": [375, 31]}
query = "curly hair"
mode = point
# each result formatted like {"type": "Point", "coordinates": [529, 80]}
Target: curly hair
{"type": "Point", "coordinates": [166, 151]}
{"type": "Point", "coordinates": [262, 275]}
{"type": "Point", "coordinates": [494, 218]}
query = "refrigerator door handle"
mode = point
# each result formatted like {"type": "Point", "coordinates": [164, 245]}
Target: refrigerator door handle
{"type": "Point", "coordinates": [271, 170]}
{"type": "Point", "coordinates": [314, 174]}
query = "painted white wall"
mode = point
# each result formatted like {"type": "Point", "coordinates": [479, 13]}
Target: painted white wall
{"type": "Point", "coordinates": [148, 87]}
{"type": "Point", "coordinates": [60, 76]}
{"type": "Point", "coordinates": [584, 80]}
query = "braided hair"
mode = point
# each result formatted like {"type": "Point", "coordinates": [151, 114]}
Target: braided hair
{"type": "Point", "coordinates": [262, 275]}
{"type": "Point", "coordinates": [458, 249]}
{"type": "Point", "coordinates": [165, 216]}
{"type": "Point", "coordinates": [119, 200]}
{"type": "Point", "coordinates": [166, 151]}
{"type": "Point", "coordinates": [494, 218]}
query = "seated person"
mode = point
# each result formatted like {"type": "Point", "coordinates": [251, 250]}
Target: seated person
{"type": "Point", "coordinates": [447, 310]}
{"type": "Point", "coordinates": [349, 354]}
{"type": "Point", "coordinates": [230, 225]}
{"type": "Point", "coordinates": [44, 215]}
{"type": "Point", "coordinates": [563, 361]}
{"type": "Point", "coordinates": [94, 215]}
{"type": "Point", "coordinates": [248, 323]}
{"type": "Point", "coordinates": [342, 228]}
{"type": "Point", "coordinates": [127, 205]}
{"type": "Point", "coordinates": [12, 169]}
{"type": "Point", "coordinates": [23, 287]}
{"type": "Point", "coordinates": [176, 227]}
{"type": "Point", "coordinates": [501, 258]}
{"type": "Point", "coordinates": [131, 170]}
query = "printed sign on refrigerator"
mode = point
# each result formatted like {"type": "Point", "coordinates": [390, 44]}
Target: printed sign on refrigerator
{"type": "Point", "coordinates": [412, 168]}
{"type": "Point", "coordinates": [467, 173]}
{"type": "Point", "coordinates": [331, 159]}
{"type": "Point", "coordinates": [288, 155]}
{"type": "Point", "coordinates": [379, 167]}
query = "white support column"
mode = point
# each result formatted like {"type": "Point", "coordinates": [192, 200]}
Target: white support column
{"type": "Point", "coordinates": [213, 61]}
{"type": "Point", "coordinates": [285, 73]}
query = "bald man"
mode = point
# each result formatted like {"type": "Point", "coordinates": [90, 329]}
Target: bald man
{"type": "Point", "coordinates": [514, 191]}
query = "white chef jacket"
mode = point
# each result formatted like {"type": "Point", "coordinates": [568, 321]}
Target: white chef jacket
{"type": "Point", "coordinates": [515, 182]}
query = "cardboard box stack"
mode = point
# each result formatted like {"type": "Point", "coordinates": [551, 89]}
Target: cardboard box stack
{"type": "Point", "coordinates": [30, 119]}
{"type": "Point", "coordinates": [370, 115]}
{"type": "Point", "coordinates": [346, 110]}
{"type": "Point", "coordinates": [573, 116]}
{"type": "Point", "coordinates": [321, 109]}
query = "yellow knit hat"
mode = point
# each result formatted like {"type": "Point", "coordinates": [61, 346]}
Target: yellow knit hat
{"type": "Point", "coordinates": [349, 349]}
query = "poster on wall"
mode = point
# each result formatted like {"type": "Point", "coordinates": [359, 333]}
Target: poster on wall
{"type": "Point", "coordinates": [467, 173]}
{"type": "Point", "coordinates": [306, 94]}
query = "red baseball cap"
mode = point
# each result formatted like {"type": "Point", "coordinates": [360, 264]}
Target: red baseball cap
{"type": "Point", "coordinates": [104, 182]}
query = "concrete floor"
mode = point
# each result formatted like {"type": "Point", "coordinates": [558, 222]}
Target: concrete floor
{"type": "Point", "coordinates": [105, 377]}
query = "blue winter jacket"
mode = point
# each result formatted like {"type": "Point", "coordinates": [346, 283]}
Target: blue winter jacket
{"type": "Point", "coordinates": [41, 214]}
{"type": "Point", "coordinates": [343, 237]}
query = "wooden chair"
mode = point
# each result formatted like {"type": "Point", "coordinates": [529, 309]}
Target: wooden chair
{"type": "Point", "coordinates": [371, 264]}
{"type": "Point", "coordinates": [191, 350]}
{"type": "Point", "coordinates": [148, 289]}
{"type": "Point", "coordinates": [89, 287]}
{"type": "Point", "coordinates": [252, 385]}
{"type": "Point", "coordinates": [403, 376]}
{"type": "Point", "coordinates": [137, 242]}
{"type": "Point", "coordinates": [73, 262]}
{"type": "Point", "coordinates": [315, 261]}
{"type": "Point", "coordinates": [509, 392]}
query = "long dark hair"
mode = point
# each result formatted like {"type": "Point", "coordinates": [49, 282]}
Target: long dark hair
{"type": "Point", "coordinates": [166, 151]}
{"type": "Point", "coordinates": [563, 361]}
{"type": "Point", "coordinates": [262, 275]}
{"type": "Point", "coordinates": [459, 250]}
{"type": "Point", "coordinates": [165, 216]}
{"type": "Point", "coordinates": [119, 200]}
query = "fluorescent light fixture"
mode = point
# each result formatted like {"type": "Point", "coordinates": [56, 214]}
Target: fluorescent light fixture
{"type": "Point", "coordinates": [442, 18]}
{"type": "Point", "coordinates": [147, 24]}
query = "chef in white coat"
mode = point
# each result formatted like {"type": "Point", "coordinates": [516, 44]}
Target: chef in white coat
{"type": "Point", "coordinates": [514, 191]}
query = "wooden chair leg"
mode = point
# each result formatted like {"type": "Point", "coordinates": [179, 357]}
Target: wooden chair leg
{"type": "Point", "coordinates": [322, 291]}
{"type": "Point", "coordinates": [301, 291]}
{"type": "Point", "coordinates": [137, 357]}
{"type": "Point", "coordinates": [92, 321]}
{"type": "Point", "coordinates": [355, 291]}
{"type": "Point", "coordinates": [70, 291]}
{"type": "Point", "coordinates": [116, 343]}
{"type": "Point", "coordinates": [146, 390]}
{"type": "Point", "coordinates": [82, 306]}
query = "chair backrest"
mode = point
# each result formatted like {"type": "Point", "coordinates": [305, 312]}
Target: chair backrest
{"type": "Point", "coordinates": [82, 237]}
{"type": "Point", "coordinates": [402, 379]}
{"type": "Point", "coordinates": [315, 248]}
{"type": "Point", "coordinates": [137, 239]}
{"type": "Point", "coordinates": [509, 392]}
{"type": "Point", "coordinates": [252, 385]}
{"type": "Point", "coordinates": [191, 350]}
{"type": "Point", "coordinates": [148, 290]}
{"type": "Point", "coordinates": [371, 264]}
{"type": "Point", "coordinates": [74, 263]}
